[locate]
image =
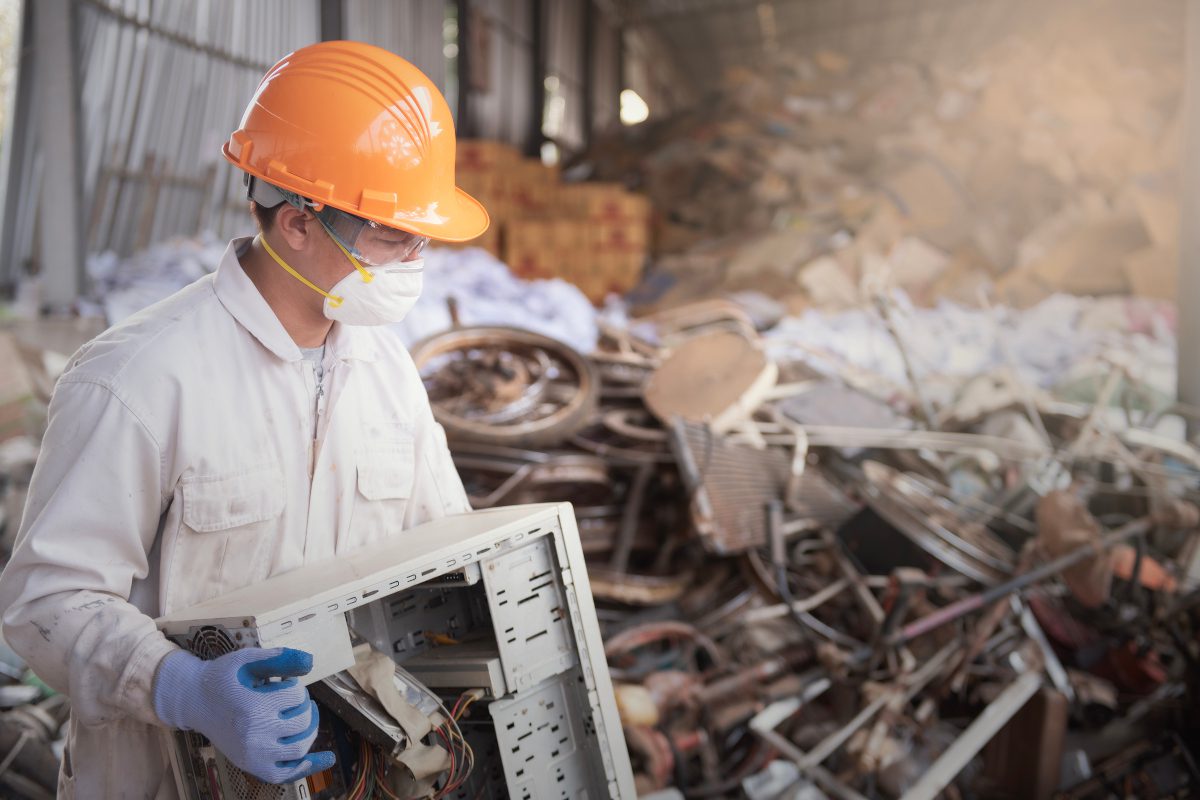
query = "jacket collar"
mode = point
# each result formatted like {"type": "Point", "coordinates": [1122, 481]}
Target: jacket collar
{"type": "Point", "coordinates": [242, 300]}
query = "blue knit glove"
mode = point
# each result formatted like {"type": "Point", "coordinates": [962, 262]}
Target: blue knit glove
{"type": "Point", "coordinates": [265, 727]}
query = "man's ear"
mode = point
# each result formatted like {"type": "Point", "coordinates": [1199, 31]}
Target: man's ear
{"type": "Point", "coordinates": [295, 226]}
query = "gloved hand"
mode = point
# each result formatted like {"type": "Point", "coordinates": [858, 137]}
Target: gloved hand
{"type": "Point", "coordinates": [265, 727]}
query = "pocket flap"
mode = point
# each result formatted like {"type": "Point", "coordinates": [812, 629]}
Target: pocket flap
{"type": "Point", "coordinates": [387, 474]}
{"type": "Point", "coordinates": [220, 502]}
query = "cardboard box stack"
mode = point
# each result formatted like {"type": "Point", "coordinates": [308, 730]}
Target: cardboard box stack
{"type": "Point", "coordinates": [482, 170]}
{"type": "Point", "coordinates": [595, 235]}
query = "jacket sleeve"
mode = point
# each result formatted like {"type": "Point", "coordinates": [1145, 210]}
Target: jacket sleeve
{"type": "Point", "coordinates": [89, 524]}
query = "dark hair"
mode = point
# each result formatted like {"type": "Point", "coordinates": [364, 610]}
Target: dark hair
{"type": "Point", "coordinates": [264, 215]}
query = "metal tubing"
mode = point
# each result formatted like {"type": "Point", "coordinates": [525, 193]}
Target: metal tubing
{"type": "Point", "coordinates": [978, 733]}
{"type": "Point", "coordinates": [965, 606]}
{"type": "Point", "coordinates": [619, 561]}
{"type": "Point", "coordinates": [916, 682]}
{"type": "Point", "coordinates": [1054, 667]}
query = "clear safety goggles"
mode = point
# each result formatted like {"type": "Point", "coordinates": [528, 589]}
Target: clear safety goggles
{"type": "Point", "coordinates": [371, 243]}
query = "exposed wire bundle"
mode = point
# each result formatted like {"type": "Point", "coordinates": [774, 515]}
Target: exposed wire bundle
{"type": "Point", "coordinates": [364, 778]}
{"type": "Point", "coordinates": [371, 775]}
{"type": "Point", "coordinates": [462, 757]}
{"type": "Point", "coordinates": [370, 779]}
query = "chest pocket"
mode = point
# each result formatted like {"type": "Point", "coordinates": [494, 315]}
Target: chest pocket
{"type": "Point", "coordinates": [230, 524]}
{"type": "Point", "coordinates": [386, 465]}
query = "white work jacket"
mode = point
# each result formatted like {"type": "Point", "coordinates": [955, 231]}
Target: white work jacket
{"type": "Point", "coordinates": [179, 464]}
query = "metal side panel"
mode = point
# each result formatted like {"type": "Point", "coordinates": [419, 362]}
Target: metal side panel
{"type": "Point", "coordinates": [543, 736]}
{"type": "Point", "coordinates": [529, 614]}
{"type": "Point", "coordinates": [597, 682]}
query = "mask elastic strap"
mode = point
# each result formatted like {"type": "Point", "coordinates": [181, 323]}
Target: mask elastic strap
{"type": "Point", "coordinates": [334, 300]}
{"type": "Point", "coordinates": [362, 271]}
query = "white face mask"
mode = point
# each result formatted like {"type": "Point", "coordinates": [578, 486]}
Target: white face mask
{"type": "Point", "coordinates": [370, 295]}
{"type": "Point", "coordinates": [387, 298]}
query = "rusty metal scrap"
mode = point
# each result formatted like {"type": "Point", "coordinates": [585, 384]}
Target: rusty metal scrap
{"type": "Point", "coordinates": [506, 385]}
{"type": "Point", "coordinates": [827, 585]}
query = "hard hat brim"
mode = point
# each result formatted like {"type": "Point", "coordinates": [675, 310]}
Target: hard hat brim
{"type": "Point", "coordinates": [456, 218]}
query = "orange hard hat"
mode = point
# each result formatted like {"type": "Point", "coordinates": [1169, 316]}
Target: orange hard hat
{"type": "Point", "coordinates": [358, 128]}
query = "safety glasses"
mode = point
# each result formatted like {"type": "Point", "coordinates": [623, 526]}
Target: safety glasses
{"type": "Point", "coordinates": [371, 243]}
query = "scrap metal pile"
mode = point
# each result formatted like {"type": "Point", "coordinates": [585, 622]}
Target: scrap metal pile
{"type": "Point", "coordinates": [808, 591]}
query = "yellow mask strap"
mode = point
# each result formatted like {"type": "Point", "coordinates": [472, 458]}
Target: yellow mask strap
{"type": "Point", "coordinates": [334, 300]}
{"type": "Point", "coordinates": [366, 275]}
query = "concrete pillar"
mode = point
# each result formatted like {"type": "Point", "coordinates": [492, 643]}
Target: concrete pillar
{"type": "Point", "coordinates": [60, 250]}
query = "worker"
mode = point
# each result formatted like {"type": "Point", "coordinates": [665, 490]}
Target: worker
{"type": "Point", "coordinates": [260, 419]}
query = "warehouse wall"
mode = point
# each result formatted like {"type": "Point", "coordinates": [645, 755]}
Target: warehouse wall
{"type": "Point", "coordinates": [500, 39]}
{"type": "Point", "coordinates": [159, 86]}
{"type": "Point", "coordinates": [412, 28]}
{"type": "Point", "coordinates": [162, 84]}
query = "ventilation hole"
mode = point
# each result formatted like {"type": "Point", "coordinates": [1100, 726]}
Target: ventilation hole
{"type": "Point", "coordinates": [535, 636]}
{"type": "Point", "coordinates": [371, 593]}
{"type": "Point", "coordinates": [524, 736]}
{"type": "Point", "coordinates": [429, 571]}
{"type": "Point", "coordinates": [539, 576]}
{"type": "Point", "coordinates": [307, 617]}
{"type": "Point", "coordinates": [524, 600]}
